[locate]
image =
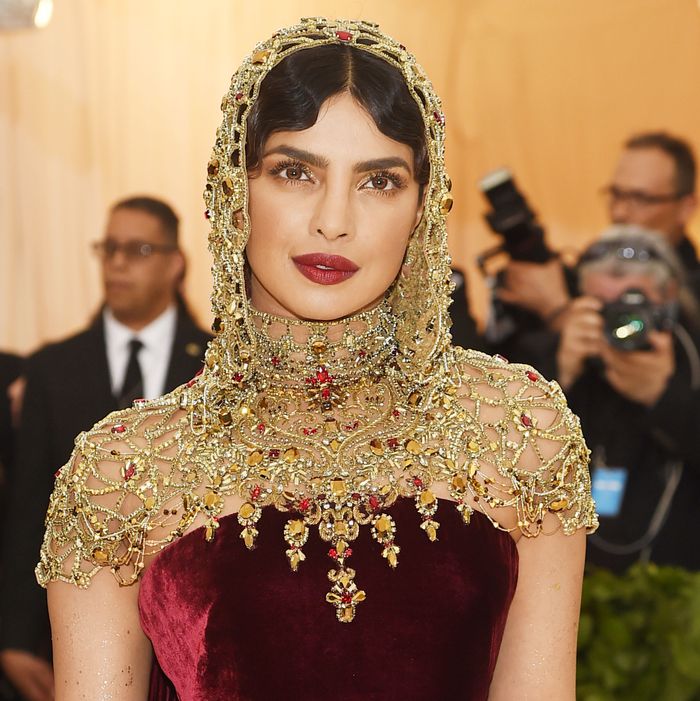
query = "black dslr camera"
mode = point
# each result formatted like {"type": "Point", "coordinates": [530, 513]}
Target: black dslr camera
{"type": "Point", "coordinates": [629, 319]}
{"type": "Point", "coordinates": [512, 218]}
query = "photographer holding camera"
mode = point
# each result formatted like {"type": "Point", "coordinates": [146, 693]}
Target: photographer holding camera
{"type": "Point", "coordinates": [627, 359]}
{"type": "Point", "coordinates": [653, 186]}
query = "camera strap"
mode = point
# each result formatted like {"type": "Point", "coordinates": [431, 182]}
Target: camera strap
{"type": "Point", "coordinates": [673, 472]}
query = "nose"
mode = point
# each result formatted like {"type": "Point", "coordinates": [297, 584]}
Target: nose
{"type": "Point", "coordinates": [333, 213]}
{"type": "Point", "coordinates": [619, 210]}
{"type": "Point", "coordinates": [117, 260]}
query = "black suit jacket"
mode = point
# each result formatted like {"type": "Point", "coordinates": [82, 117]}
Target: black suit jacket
{"type": "Point", "coordinates": [68, 391]}
{"type": "Point", "coordinates": [10, 368]}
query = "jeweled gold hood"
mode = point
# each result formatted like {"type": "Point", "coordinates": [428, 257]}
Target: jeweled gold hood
{"type": "Point", "coordinates": [419, 298]}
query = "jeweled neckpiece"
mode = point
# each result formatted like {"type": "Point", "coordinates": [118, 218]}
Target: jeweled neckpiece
{"type": "Point", "coordinates": [330, 430]}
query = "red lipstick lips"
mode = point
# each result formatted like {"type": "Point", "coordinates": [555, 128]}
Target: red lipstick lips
{"type": "Point", "coordinates": [325, 269]}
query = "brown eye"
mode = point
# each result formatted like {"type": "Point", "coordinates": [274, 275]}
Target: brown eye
{"type": "Point", "coordinates": [293, 173]}
{"type": "Point", "coordinates": [380, 182]}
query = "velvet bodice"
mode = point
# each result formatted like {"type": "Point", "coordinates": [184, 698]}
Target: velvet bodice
{"type": "Point", "coordinates": [232, 625]}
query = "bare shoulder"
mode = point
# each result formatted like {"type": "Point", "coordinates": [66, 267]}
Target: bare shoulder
{"type": "Point", "coordinates": [529, 463]}
{"type": "Point", "coordinates": [111, 502]}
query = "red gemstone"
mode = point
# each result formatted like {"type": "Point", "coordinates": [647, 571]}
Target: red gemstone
{"type": "Point", "coordinates": [440, 118]}
{"type": "Point", "coordinates": [261, 428]}
{"type": "Point", "coordinates": [275, 360]}
{"type": "Point", "coordinates": [356, 496]}
{"type": "Point", "coordinates": [199, 372]}
{"type": "Point", "coordinates": [191, 383]}
{"type": "Point", "coordinates": [526, 420]}
{"type": "Point", "coordinates": [57, 473]}
{"type": "Point", "coordinates": [533, 376]}
{"type": "Point", "coordinates": [207, 214]}
{"type": "Point", "coordinates": [333, 553]}
{"type": "Point", "coordinates": [129, 472]}
{"type": "Point", "coordinates": [274, 453]}
{"type": "Point", "coordinates": [392, 442]}
{"type": "Point", "coordinates": [323, 376]}
{"type": "Point", "coordinates": [396, 413]}
{"type": "Point", "coordinates": [343, 36]}
{"type": "Point", "coordinates": [348, 552]}
{"type": "Point", "coordinates": [239, 96]}
{"type": "Point", "coordinates": [361, 354]}
{"type": "Point", "coordinates": [309, 431]}
{"type": "Point", "coordinates": [304, 505]}
{"type": "Point", "coordinates": [119, 428]}
{"type": "Point", "coordinates": [346, 598]}
{"type": "Point", "coordinates": [373, 503]}
{"type": "Point", "coordinates": [255, 492]}
{"type": "Point", "coordinates": [325, 393]}
{"type": "Point", "coordinates": [417, 482]}
{"type": "Point", "coordinates": [238, 377]}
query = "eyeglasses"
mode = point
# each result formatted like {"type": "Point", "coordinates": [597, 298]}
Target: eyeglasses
{"type": "Point", "coordinates": [638, 198]}
{"type": "Point", "coordinates": [132, 250]}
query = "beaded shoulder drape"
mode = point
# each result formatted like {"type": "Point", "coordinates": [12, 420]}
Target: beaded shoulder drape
{"type": "Point", "coordinates": [329, 422]}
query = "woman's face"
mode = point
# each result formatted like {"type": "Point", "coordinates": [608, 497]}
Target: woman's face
{"type": "Point", "coordinates": [331, 211]}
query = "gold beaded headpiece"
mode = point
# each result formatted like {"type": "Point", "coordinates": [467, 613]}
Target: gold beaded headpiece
{"type": "Point", "coordinates": [419, 298]}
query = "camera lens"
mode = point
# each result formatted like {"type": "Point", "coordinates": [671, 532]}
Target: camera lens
{"type": "Point", "coordinates": [627, 326]}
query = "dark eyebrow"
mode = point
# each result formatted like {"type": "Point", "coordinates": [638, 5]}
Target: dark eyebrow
{"type": "Point", "coordinates": [300, 155]}
{"type": "Point", "coordinates": [382, 164]}
{"type": "Point", "coordinates": [321, 162]}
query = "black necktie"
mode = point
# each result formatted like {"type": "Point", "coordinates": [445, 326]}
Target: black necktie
{"type": "Point", "coordinates": [133, 380]}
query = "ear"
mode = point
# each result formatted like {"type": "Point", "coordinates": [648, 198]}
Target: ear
{"type": "Point", "coordinates": [179, 266]}
{"type": "Point", "coordinates": [420, 209]}
{"type": "Point", "coordinates": [688, 205]}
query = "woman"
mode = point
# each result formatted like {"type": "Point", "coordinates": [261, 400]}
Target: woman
{"type": "Point", "coordinates": [332, 412]}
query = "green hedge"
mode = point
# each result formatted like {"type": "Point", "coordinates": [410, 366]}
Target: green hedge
{"type": "Point", "coordinates": [639, 636]}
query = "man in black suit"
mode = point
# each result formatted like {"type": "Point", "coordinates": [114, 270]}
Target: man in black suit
{"type": "Point", "coordinates": [142, 343]}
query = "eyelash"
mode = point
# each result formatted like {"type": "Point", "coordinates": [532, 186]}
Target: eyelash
{"type": "Point", "coordinates": [396, 180]}
{"type": "Point", "coordinates": [287, 164]}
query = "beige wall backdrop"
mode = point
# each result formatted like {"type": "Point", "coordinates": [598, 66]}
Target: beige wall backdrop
{"type": "Point", "coordinates": [118, 97]}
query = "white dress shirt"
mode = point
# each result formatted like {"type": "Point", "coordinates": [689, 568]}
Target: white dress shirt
{"type": "Point", "coordinates": [153, 358]}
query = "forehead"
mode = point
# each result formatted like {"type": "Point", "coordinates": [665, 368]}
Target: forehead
{"type": "Point", "coordinates": [133, 225]}
{"type": "Point", "coordinates": [646, 169]}
{"type": "Point", "coordinates": [344, 130]}
{"type": "Point", "coordinates": [606, 286]}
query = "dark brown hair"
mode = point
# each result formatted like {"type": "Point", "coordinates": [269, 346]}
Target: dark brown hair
{"type": "Point", "coordinates": [293, 92]}
{"type": "Point", "coordinates": [162, 211]}
{"type": "Point", "coordinates": [678, 150]}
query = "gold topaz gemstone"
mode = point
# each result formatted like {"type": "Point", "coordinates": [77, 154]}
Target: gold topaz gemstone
{"type": "Point", "coordinates": [255, 458]}
{"type": "Point", "coordinates": [459, 483]}
{"type": "Point", "coordinates": [99, 555]}
{"type": "Point", "coordinates": [413, 447]}
{"type": "Point", "coordinates": [375, 445]}
{"type": "Point", "coordinates": [338, 488]}
{"type": "Point", "coordinates": [427, 498]}
{"type": "Point", "coordinates": [296, 527]}
{"type": "Point", "coordinates": [559, 505]}
{"type": "Point", "coordinates": [383, 524]}
{"type": "Point", "coordinates": [246, 510]}
{"type": "Point", "coordinates": [291, 454]}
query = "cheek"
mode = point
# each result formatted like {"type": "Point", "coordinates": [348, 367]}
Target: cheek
{"type": "Point", "coordinates": [391, 232]}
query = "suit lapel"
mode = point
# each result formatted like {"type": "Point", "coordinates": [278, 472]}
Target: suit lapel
{"type": "Point", "coordinates": [187, 352]}
{"type": "Point", "coordinates": [98, 349]}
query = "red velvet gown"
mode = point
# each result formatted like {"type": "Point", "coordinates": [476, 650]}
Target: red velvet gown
{"type": "Point", "coordinates": [228, 624]}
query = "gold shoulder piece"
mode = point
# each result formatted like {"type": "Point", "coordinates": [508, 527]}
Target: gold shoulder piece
{"type": "Point", "coordinates": [527, 454]}
{"type": "Point", "coordinates": [116, 500]}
